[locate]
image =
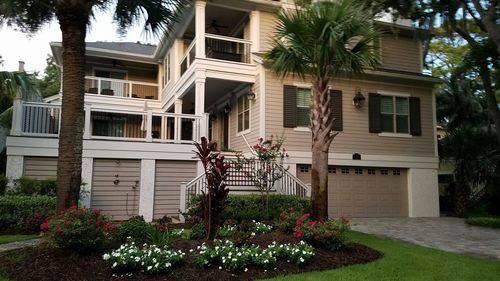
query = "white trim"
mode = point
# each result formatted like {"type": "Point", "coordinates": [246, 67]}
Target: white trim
{"type": "Point", "coordinates": [262, 101]}
{"type": "Point", "coordinates": [394, 93]}
{"type": "Point", "coordinates": [244, 132]}
{"type": "Point", "coordinates": [395, 135]}
{"type": "Point", "coordinates": [87, 171]}
{"type": "Point", "coordinates": [147, 189]}
{"type": "Point", "coordinates": [302, 85]}
{"type": "Point", "coordinates": [302, 129]}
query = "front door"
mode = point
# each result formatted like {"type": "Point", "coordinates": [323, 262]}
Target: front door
{"type": "Point", "coordinates": [224, 131]}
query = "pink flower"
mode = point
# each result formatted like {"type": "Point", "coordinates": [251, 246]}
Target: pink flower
{"type": "Point", "coordinates": [44, 226]}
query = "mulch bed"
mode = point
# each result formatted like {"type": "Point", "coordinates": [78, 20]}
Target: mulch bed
{"type": "Point", "coordinates": [43, 263]}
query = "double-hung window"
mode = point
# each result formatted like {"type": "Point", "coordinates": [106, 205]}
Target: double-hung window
{"type": "Point", "coordinates": [303, 107]}
{"type": "Point", "coordinates": [243, 113]}
{"type": "Point", "coordinates": [394, 114]}
{"type": "Point", "coordinates": [166, 69]}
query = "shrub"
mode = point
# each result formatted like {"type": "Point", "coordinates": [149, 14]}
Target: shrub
{"type": "Point", "coordinates": [197, 232]}
{"type": "Point", "coordinates": [288, 219]}
{"type": "Point", "coordinates": [78, 229]}
{"type": "Point", "coordinates": [330, 234]}
{"type": "Point", "coordinates": [493, 222]}
{"type": "Point", "coordinates": [158, 237]}
{"type": "Point", "coordinates": [4, 181]}
{"type": "Point", "coordinates": [151, 259]}
{"type": "Point", "coordinates": [29, 186]}
{"type": "Point", "coordinates": [249, 207]}
{"type": "Point", "coordinates": [135, 229]}
{"type": "Point", "coordinates": [25, 213]}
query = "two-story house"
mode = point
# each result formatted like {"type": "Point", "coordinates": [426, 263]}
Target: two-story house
{"type": "Point", "coordinates": [145, 105]}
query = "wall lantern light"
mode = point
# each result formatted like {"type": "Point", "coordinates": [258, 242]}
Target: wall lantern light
{"type": "Point", "coordinates": [359, 100]}
{"type": "Point", "coordinates": [251, 95]}
{"type": "Point", "coordinates": [227, 108]}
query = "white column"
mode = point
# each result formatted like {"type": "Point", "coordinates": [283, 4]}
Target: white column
{"type": "Point", "coordinates": [423, 193]}
{"type": "Point", "coordinates": [182, 202]}
{"type": "Point", "coordinates": [255, 30]}
{"type": "Point", "coordinates": [15, 167]}
{"type": "Point", "coordinates": [200, 28]}
{"type": "Point", "coordinates": [87, 169]}
{"type": "Point", "coordinates": [177, 121]}
{"type": "Point", "coordinates": [149, 126]}
{"type": "Point", "coordinates": [199, 107]}
{"type": "Point", "coordinates": [86, 129]}
{"type": "Point", "coordinates": [17, 116]}
{"type": "Point", "coordinates": [147, 189]}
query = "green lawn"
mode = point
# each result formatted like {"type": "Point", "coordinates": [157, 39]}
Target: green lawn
{"type": "Point", "coordinates": [4, 239]}
{"type": "Point", "coordinates": [403, 261]}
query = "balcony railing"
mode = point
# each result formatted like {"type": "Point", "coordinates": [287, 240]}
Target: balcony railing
{"type": "Point", "coordinates": [120, 88]}
{"type": "Point", "coordinates": [218, 47]}
{"type": "Point", "coordinates": [43, 120]}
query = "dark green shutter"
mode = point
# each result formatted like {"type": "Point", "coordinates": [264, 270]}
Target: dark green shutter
{"type": "Point", "coordinates": [374, 121]}
{"type": "Point", "coordinates": [289, 106]}
{"type": "Point", "coordinates": [336, 102]}
{"type": "Point", "coordinates": [415, 126]}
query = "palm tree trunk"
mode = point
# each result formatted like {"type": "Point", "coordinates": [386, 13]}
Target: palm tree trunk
{"type": "Point", "coordinates": [73, 19]}
{"type": "Point", "coordinates": [322, 137]}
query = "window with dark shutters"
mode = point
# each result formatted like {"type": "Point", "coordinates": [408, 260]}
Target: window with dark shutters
{"type": "Point", "coordinates": [336, 102]}
{"type": "Point", "coordinates": [415, 125]}
{"type": "Point", "coordinates": [374, 121]}
{"type": "Point", "coordinates": [289, 106]}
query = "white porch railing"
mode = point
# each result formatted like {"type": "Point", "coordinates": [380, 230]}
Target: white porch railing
{"type": "Point", "coordinates": [188, 57]}
{"type": "Point", "coordinates": [227, 48]}
{"type": "Point", "coordinates": [43, 120]}
{"type": "Point", "coordinates": [120, 88]}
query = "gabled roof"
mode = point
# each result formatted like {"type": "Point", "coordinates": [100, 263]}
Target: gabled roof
{"type": "Point", "coordinates": [129, 47]}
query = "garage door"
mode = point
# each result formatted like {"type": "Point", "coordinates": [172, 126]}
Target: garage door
{"type": "Point", "coordinates": [40, 168]}
{"type": "Point", "coordinates": [363, 192]}
{"type": "Point", "coordinates": [169, 176]}
{"type": "Point", "coordinates": [115, 187]}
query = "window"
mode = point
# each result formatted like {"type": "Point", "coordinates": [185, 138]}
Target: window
{"type": "Point", "coordinates": [303, 107]}
{"type": "Point", "coordinates": [396, 172]}
{"type": "Point", "coordinates": [384, 172]}
{"type": "Point", "coordinates": [394, 113]}
{"type": "Point", "coordinates": [303, 168]}
{"type": "Point", "coordinates": [371, 171]}
{"type": "Point", "coordinates": [243, 113]}
{"type": "Point", "coordinates": [166, 69]}
{"type": "Point", "coordinates": [332, 170]}
{"type": "Point", "coordinates": [358, 171]}
{"type": "Point", "coordinates": [345, 171]}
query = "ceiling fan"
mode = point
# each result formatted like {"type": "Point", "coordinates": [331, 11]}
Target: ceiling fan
{"type": "Point", "coordinates": [215, 25]}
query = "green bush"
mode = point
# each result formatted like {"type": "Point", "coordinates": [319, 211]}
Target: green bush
{"type": "Point", "coordinates": [250, 207]}
{"type": "Point", "coordinates": [288, 218]}
{"type": "Point", "coordinates": [136, 228]}
{"type": "Point", "coordinates": [29, 186]}
{"type": "Point", "coordinates": [493, 222]}
{"type": "Point", "coordinates": [79, 230]}
{"type": "Point", "coordinates": [25, 213]}
{"type": "Point", "coordinates": [3, 184]}
{"type": "Point", "coordinates": [197, 232]}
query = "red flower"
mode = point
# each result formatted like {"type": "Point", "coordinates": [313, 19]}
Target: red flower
{"type": "Point", "coordinates": [264, 149]}
{"type": "Point", "coordinates": [44, 226]}
{"type": "Point", "coordinates": [67, 223]}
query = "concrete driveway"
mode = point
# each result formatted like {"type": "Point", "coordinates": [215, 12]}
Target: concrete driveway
{"type": "Point", "coordinates": [445, 233]}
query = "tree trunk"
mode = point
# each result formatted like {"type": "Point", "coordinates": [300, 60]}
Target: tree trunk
{"type": "Point", "coordinates": [461, 197]}
{"type": "Point", "coordinates": [73, 18]}
{"type": "Point", "coordinates": [321, 129]}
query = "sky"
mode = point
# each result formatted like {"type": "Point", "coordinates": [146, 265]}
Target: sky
{"type": "Point", "coordinates": [33, 49]}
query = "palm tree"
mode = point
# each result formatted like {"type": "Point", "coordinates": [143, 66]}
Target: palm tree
{"type": "Point", "coordinates": [321, 41]}
{"type": "Point", "coordinates": [13, 83]}
{"type": "Point", "coordinates": [74, 18]}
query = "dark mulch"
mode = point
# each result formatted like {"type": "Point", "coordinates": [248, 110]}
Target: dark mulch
{"type": "Point", "coordinates": [42, 263]}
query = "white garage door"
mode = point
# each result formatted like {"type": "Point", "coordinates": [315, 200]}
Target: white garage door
{"type": "Point", "coordinates": [115, 187]}
{"type": "Point", "coordinates": [363, 192]}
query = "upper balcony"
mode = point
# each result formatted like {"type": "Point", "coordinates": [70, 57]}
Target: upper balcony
{"type": "Point", "coordinates": [121, 88]}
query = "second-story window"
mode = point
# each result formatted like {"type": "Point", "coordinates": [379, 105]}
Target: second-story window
{"type": "Point", "coordinates": [166, 69]}
{"type": "Point", "coordinates": [243, 113]}
{"type": "Point", "coordinates": [303, 107]}
{"type": "Point", "coordinates": [394, 114]}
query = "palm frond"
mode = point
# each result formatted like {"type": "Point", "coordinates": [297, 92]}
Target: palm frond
{"type": "Point", "coordinates": [13, 81]}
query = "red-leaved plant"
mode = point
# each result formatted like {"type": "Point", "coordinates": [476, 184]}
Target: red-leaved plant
{"type": "Point", "coordinates": [80, 230]}
{"type": "Point", "coordinates": [330, 234]}
{"type": "Point", "coordinates": [214, 198]}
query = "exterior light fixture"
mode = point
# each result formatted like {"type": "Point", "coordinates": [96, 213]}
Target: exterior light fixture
{"type": "Point", "coordinates": [251, 95]}
{"type": "Point", "coordinates": [359, 100]}
{"type": "Point", "coordinates": [227, 108]}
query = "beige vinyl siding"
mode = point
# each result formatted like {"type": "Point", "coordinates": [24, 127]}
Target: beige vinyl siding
{"type": "Point", "coordinates": [268, 23]}
{"type": "Point", "coordinates": [236, 141]}
{"type": "Point", "coordinates": [401, 53]}
{"type": "Point", "coordinates": [40, 168]}
{"type": "Point", "coordinates": [355, 137]}
{"type": "Point", "coordinates": [120, 201]}
{"type": "Point", "coordinates": [169, 176]}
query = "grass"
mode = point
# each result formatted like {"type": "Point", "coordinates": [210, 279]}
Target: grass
{"type": "Point", "coordinates": [404, 261]}
{"type": "Point", "coordinates": [4, 239]}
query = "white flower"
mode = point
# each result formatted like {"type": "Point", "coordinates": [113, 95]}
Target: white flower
{"type": "Point", "coordinates": [301, 259]}
{"type": "Point", "coordinates": [220, 267]}
{"type": "Point", "coordinates": [137, 259]}
{"type": "Point", "coordinates": [114, 265]}
{"type": "Point", "coordinates": [149, 268]}
{"type": "Point", "coordinates": [105, 257]}
{"type": "Point", "coordinates": [246, 269]}
{"type": "Point", "coordinates": [168, 264]}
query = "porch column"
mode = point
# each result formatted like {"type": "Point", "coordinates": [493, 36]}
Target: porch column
{"type": "Point", "coordinates": [200, 28]}
{"type": "Point", "coordinates": [147, 189]}
{"type": "Point", "coordinates": [86, 128]}
{"type": "Point", "coordinates": [255, 31]}
{"type": "Point", "coordinates": [177, 121]}
{"type": "Point", "coordinates": [15, 167]}
{"type": "Point", "coordinates": [17, 115]}
{"type": "Point", "coordinates": [423, 197]}
{"type": "Point", "coordinates": [149, 126]}
{"type": "Point", "coordinates": [199, 107]}
{"type": "Point", "coordinates": [87, 169]}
